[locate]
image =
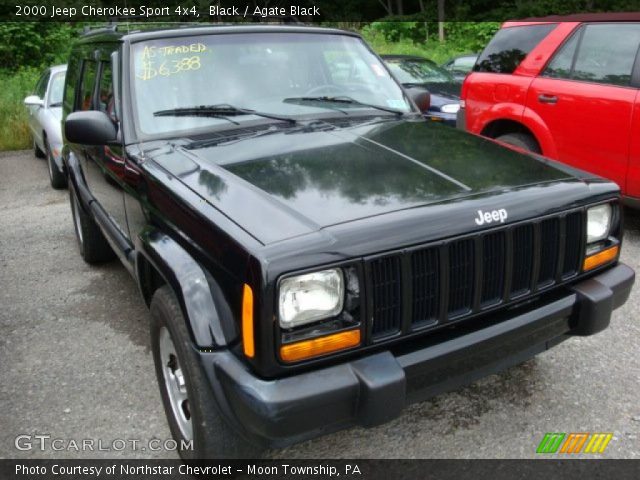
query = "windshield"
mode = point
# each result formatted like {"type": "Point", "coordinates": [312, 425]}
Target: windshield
{"type": "Point", "coordinates": [257, 71]}
{"type": "Point", "coordinates": [56, 89]}
{"type": "Point", "coordinates": [464, 64]}
{"type": "Point", "coordinates": [418, 71]}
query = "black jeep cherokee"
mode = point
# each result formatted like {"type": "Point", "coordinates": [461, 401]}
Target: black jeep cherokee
{"type": "Point", "coordinates": [314, 254]}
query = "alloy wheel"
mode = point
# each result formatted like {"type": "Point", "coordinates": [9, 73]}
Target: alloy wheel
{"type": "Point", "coordinates": [174, 384]}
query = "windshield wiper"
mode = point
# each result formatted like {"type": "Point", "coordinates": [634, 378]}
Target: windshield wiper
{"type": "Point", "coordinates": [343, 99]}
{"type": "Point", "coordinates": [221, 110]}
{"type": "Point", "coordinates": [298, 100]}
{"type": "Point", "coordinates": [414, 84]}
{"type": "Point", "coordinates": [55, 104]}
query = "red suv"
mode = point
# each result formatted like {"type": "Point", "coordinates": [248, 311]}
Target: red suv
{"type": "Point", "coordinates": [566, 87]}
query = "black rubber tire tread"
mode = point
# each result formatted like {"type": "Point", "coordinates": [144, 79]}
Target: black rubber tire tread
{"type": "Point", "coordinates": [520, 140]}
{"type": "Point", "coordinates": [37, 152]}
{"type": "Point", "coordinates": [57, 179]}
{"type": "Point", "coordinates": [94, 248]}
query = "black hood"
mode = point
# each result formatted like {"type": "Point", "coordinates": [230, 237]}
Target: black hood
{"type": "Point", "coordinates": [298, 180]}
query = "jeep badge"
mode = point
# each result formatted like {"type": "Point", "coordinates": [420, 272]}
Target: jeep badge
{"type": "Point", "coordinates": [492, 216]}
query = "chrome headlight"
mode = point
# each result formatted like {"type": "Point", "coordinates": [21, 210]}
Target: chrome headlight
{"type": "Point", "coordinates": [310, 297]}
{"type": "Point", "coordinates": [450, 108]}
{"type": "Point", "coordinates": [598, 223]}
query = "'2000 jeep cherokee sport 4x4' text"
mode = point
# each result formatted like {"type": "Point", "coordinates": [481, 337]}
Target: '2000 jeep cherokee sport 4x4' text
{"type": "Point", "coordinates": [314, 254]}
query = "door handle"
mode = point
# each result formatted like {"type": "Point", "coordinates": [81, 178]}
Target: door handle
{"type": "Point", "coordinates": [544, 98]}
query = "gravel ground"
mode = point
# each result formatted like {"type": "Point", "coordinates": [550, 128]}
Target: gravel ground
{"type": "Point", "coordinates": [76, 363]}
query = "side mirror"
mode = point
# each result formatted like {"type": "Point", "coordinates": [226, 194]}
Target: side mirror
{"type": "Point", "coordinates": [421, 97]}
{"type": "Point", "coordinates": [90, 128]}
{"type": "Point", "coordinates": [34, 100]}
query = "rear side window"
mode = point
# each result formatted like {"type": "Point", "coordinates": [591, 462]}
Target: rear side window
{"type": "Point", "coordinates": [561, 65]}
{"type": "Point", "coordinates": [87, 84]}
{"type": "Point", "coordinates": [599, 53]}
{"type": "Point", "coordinates": [510, 46]}
{"type": "Point", "coordinates": [71, 79]}
{"type": "Point", "coordinates": [105, 90]}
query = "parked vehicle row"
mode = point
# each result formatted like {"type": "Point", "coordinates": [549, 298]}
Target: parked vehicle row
{"type": "Point", "coordinates": [45, 104]}
{"type": "Point", "coordinates": [314, 254]}
{"type": "Point", "coordinates": [565, 89]}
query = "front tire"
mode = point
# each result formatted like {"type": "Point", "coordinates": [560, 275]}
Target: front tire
{"type": "Point", "coordinates": [523, 141]}
{"type": "Point", "coordinates": [57, 179]}
{"type": "Point", "coordinates": [36, 150]}
{"type": "Point", "coordinates": [189, 403]}
{"type": "Point", "coordinates": [94, 248]}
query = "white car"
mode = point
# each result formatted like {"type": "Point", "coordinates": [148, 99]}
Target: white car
{"type": "Point", "coordinates": [45, 113]}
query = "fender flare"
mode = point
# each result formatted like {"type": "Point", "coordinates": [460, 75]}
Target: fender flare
{"type": "Point", "coordinates": [206, 310]}
{"type": "Point", "coordinates": [496, 112]}
{"type": "Point", "coordinates": [525, 117]}
{"type": "Point", "coordinates": [208, 314]}
{"type": "Point", "coordinates": [538, 127]}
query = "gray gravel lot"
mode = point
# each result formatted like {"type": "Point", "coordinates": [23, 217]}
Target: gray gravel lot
{"type": "Point", "coordinates": [75, 359]}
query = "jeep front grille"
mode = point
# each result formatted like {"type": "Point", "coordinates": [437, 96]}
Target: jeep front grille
{"type": "Point", "coordinates": [425, 286]}
{"type": "Point", "coordinates": [386, 294]}
{"type": "Point", "coordinates": [436, 284]}
{"type": "Point", "coordinates": [461, 277]}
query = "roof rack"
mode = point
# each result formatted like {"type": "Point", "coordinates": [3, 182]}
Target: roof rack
{"type": "Point", "coordinates": [126, 26]}
{"type": "Point", "coordinates": [114, 26]}
{"type": "Point", "coordinates": [93, 28]}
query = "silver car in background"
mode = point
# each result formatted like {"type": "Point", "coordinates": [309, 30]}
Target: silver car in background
{"type": "Point", "coordinates": [45, 112]}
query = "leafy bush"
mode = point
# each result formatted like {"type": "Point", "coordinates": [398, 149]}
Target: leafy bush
{"type": "Point", "coordinates": [13, 114]}
{"type": "Point", "coordinates": [394, 31]}
{"type": "Point", "coordinates": [470, 36]}
{"type": "Point", "coordinates": [35, 44]}
{"type": "Point", "coordinates": [26, 49]}
{"type": "Point", "coordinates": [421, 38]}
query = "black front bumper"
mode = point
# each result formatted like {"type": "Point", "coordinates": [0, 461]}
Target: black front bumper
{"type": "Point", "coordinates": [374, 389]}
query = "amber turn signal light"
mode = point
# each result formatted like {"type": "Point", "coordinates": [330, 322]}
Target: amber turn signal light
{"type": "Point", "coordinates": [600, 258]}
{"type": "Point", "coordinates": [248, 345]}
{"type": "Point", "coordinates": [320, 346]}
